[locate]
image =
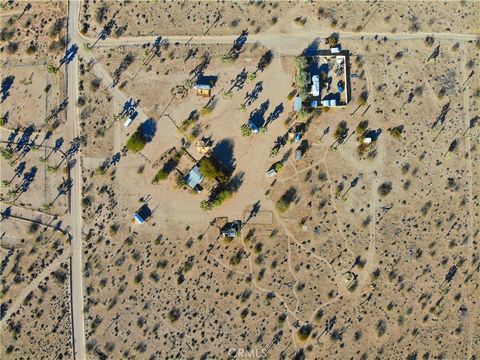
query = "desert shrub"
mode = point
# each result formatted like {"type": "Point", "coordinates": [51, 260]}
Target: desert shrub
{"type": "Point", "coordinates": [100, 13]}
{"type": "Point", "coordinates": [221, 197]}
{"type": "Point", "coordinates": [188, 122]}
{"type": "Point", "coordinates": [385, 188]}
{"type": "Point", "coordinates": [31, 49]}
{"type": "Point", "coordinates": [136, 142]}
{"type": "Point", "coordinates": [6, 35]}
{"type": "Point", "coordinates": [362, 127]}
{"type": "Point", "coordinates": [237, 257]}
{"type": "Point", "coordinates": [396, 132]}
{"type": "Point", "coordinates": [56, 27]}
{"type": "Point", "coordinates": [138, 277]}
{"type": "Point", "coordinates": [174, 314]}
{"type": "Point", "coordinates": [206, 205]}
{"type": "Point", "coordinates": [12, 47]}
{"type": "Point", "coordinates": [282, 205]}
{"type": "Point", "coordinates": [375, 274]}
{"type": "Point", "coordinates": [304, 332]}
{"type": "Point", "coordinates": [206, 110]}
{"type": "Point", "coordinates": [161, 174]}
{"type": "Point", "coordinates": [362, 98]}
{"type": "Point", "coordinates": [60, 276]}
{"type": "Point", "coordinates": [246, 130]}
{"type": "Point", "coordinates": [278, 166]}
{"type": "Point", "coordinates": [381, 327]}
{"type": "Point", "coordinates": [57, 45]}
{"type": "Point", "coordinates": [285, 200]}
{"type": "Point", "coordinates": [291, 94]}
{"type": "Point", "coordinates": [429, 40]}
{"type": "Point", "coordinates": [332, 40]}
{"type": "Point", "coordinates": [342, 130]}
{"type": "Point", "coordinates": [95, 84]}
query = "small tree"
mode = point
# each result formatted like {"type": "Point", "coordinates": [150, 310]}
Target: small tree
{"type": "Point", "coordinates": [362, 98]}
{"type": "Point", "coordinates": [162, 174]}
{"type": "Point", "coordinates": [246, 130]}
{"type": "Point", "coordinates": [206, 110]}
{"type": "Point", "coordinates": [136, 142]}
{"type": "Point", "coordinates": [385, 188]}
{"type": "Point", "coordinates": [396, 132]}
{"type": "Point", "coordinates": [301, 66]}
{"type": "Point", "coordinates": [227, 58]}
{"type": "Point", "coordinates": [242, 108]}
{"type": "Point", "coordinates": [205, 205]}
{"type": "Point", "coordinates": [51, 169]}
{"type": "Point", "coordinates": [362, 127]}
{"type": "Point", "coordinates": [51, 69]}
{"type": "Point", "coordinates": [211, 170]}
{"type": "Point", "coordinates": [6, 153]}
{"type": "Point", "coordinates": [332, 40]}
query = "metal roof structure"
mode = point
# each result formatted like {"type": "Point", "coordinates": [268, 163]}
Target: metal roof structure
{"type": "Point", "coordinates": [194, 177]}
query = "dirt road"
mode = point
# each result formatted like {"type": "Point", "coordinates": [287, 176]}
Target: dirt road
{"type": "Point", "coordinates": [76, 194]}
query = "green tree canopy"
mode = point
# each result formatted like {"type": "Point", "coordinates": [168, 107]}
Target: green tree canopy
{"type": "Point", "coordinates": [212, 170]}
{"type": "Point", "coordinates": [136, 142]}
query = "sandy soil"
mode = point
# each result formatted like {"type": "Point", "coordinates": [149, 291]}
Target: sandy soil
{"type": "Point", "coordinates": [375, 253]}
{"type": "Point", "coordinates": [133, 18]}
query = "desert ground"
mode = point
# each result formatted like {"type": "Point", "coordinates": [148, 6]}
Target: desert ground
{"type": "Point", "coordinates": [352, 250]}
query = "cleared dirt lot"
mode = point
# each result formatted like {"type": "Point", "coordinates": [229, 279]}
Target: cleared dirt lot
{"type": "Point", "coordinates": [354, 250]}
{"type": "Point", "coordinates": [134, 18]}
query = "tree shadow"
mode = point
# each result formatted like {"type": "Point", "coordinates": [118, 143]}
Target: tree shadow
{"type": "Point", "coordinates": [275, 114]}
{"type": "Point", "coordinates": [239, 80]}
{"type": "Point", "coordinates": [210, 79]}
{"type": "Point", "coordinates": [265, 60]}
{"type": "Point", "coordinates": [313, 48]}
{"type": "Point", "coordinates": [238, 44]}
{"type": "Point", "coordinates": [286, 156]}
{"type": "Point", "coordinates": [69, 55]}
{"type": "Point", "coordinates": [198, 70]}
{"type": "Point", "coordinates": [25, 139]}
{"type": "Point", "coordinates": [7, 83]}
{"type": "Point", "coordinates": [223, 152]}
{"type": "Point", "coordinates": [257, 116]}
{"type": "Point", "coordinates": [250, 97]}
{"type": "Point", "coordinates": [148, 128]}
{"type": "Point", "coordinates": [236, 181]}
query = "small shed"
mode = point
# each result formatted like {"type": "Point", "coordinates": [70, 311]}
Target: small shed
{"type": "Point", "coordinates": [194, 178]}
{"type": "Point", "coordinates": [315, 85]}
{"type": "Point", "coordinates": [271, 172]}
{"type": "Point", "coordinates": [297, 103]}
{"type": "Point", "coordinates": [253, 126]}
{"type": "Point", "coordinates": [142, 214]}
{"type": "Point", "coordinates": [231, 229]}
{"type": "Point", "coordinates": [298, 154]}
{"type": "Point", "coordinates": [203, 89]}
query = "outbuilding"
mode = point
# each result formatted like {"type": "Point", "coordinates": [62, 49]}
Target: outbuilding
{"type": "Point", "coordinates": [203, 89]}
{"type": "Point", "coordinates": [194, 178]}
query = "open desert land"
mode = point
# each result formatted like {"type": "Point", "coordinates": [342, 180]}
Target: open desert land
{"type": "Point", "coordinates": [270, 221]}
